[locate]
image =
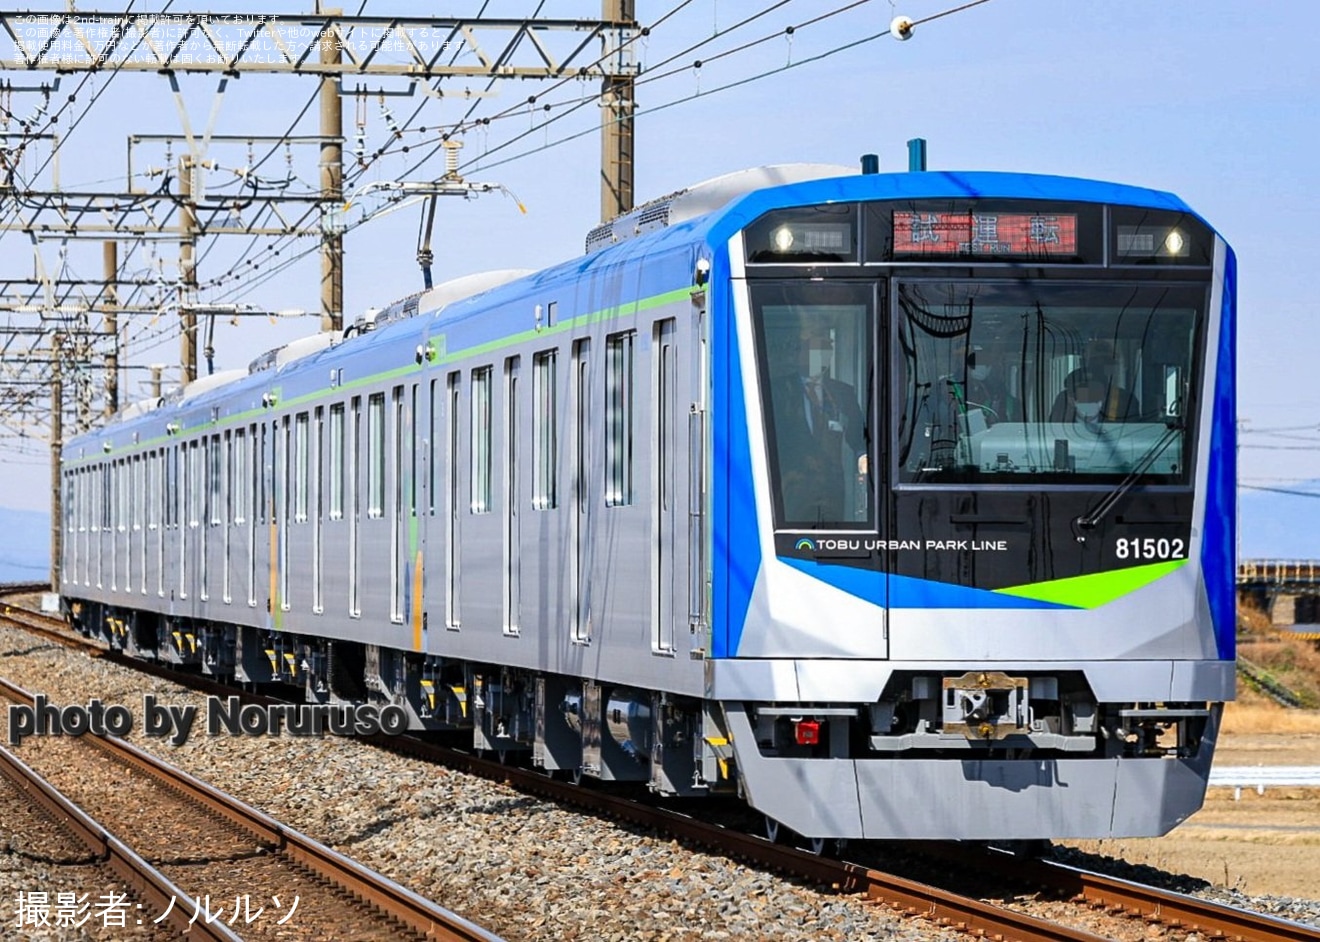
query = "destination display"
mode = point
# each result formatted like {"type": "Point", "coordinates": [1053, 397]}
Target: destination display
{"type": "Point", "coordinates": [963, 233]}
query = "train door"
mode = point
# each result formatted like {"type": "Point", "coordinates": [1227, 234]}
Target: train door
{"type": "Point", "coordinates": [150, 522]}
{"type": "Point", "coordinates": [251, 508]}
{"type": "Point", "coordinates": [227, 521]}
{"type": "Point", "coordinates": [266, 487]}
{"type": "Point", "coordinates": [171, 508]}
{"type": "Point", "coordinates": [191, 514]}
{"type": "Point", "coordinates": [511, 556]}
{"type": "Point", "coordinates": [354, 506]}
{"type": "Point", "coordinates": [664, 457]}
{"type": "Point", "coordinates": [281, 494]}
{"type": "Point", "coordinates": [453, 503]}
{"type": "Point", "coordinates": [427, 421]}
{"type": "Point", "coordinates": [398, 483]}
{"type": "Point", "coordinates": [116, 525]}
{"type": "Point", "coordinates": [580, 578]}
{"type": "Point", "coordinates": [318, 474]}
{"type": "Point", "coordinates": [205, 483]}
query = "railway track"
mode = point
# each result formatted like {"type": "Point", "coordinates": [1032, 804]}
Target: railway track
{"type": "Point", "coordinates": [944, 907]}
{"type": "Point", "coordinates": [226, 849]}
{"type": "Point", "coordinates": [1092, 892]}
{"type": "Point", "coordinates": [37, 811]}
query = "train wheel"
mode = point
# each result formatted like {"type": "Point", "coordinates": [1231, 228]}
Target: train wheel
{"type": "Point", "coordinates": [825, 846]}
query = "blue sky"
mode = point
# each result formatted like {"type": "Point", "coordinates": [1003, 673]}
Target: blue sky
{"type": "Point", "coordinates": [1215, 101]}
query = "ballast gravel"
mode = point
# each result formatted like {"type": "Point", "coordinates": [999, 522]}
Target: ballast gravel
{"type": "Point", "coordinates": [517, 865]}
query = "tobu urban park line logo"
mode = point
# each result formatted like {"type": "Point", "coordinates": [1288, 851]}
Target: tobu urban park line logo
{"type": "Point", "coordinates": [224, 715]}
{"type": "Point", "coordinates": [873, 545]}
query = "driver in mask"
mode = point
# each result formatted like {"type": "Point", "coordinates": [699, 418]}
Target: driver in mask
{"type": "Point", "coordinates": [986, 389]}
{"type": "Point", "coordinates": [1092, 393]}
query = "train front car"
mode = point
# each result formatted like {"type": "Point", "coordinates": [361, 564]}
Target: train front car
{"type": "Point", "coordinates": [973, 492]}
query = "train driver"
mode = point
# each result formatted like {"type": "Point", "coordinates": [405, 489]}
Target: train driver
{"type": "Point", "coordinates": [820, 434]}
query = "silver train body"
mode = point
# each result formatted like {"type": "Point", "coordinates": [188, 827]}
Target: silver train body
{"type": "Point", "coordinates": [795, 487]}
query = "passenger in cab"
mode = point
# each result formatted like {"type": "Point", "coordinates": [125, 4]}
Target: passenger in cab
{"type": "Point", "coordinates": [1093, 392]}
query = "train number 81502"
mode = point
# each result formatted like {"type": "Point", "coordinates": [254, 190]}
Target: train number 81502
{"type": "Point", "coordinates": [1150, 548]}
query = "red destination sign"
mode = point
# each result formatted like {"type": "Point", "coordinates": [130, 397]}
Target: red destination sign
{"type": "Point", "coordinates": [1030, 234]}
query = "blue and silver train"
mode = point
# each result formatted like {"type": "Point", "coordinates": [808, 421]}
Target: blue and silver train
{"type": "Point", "coordinates": [899, 505]}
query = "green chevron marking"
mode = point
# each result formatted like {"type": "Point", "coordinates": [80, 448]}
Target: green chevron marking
{"type": "Point", "coordinates": [1094, 590]}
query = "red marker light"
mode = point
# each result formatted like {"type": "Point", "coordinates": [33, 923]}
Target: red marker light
{"type": "Point", "coordinates": [807, 732]}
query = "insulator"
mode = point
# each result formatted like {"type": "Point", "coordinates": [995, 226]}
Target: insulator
{"type": "Point", "coordinates": [451, 158]}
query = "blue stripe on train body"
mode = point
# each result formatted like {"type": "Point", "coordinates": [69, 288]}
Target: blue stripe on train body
{"type": "Point", "coordinates": [1219, 548]}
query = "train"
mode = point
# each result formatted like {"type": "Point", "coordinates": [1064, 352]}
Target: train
{"type": "Point", "coordinates": [896, 505]}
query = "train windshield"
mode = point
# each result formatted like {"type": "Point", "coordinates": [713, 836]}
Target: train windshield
{"type": "Point", "coordinates": [1044, 382]}
{"type": "Point", "coordinates": [817, 372]}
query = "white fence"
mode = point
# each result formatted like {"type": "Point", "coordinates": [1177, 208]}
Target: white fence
{"type": "Point", "coordinates": [1259, 777]}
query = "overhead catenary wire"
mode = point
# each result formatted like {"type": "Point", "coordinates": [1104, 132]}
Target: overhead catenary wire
{"type": "Point", "coordinates": [1278, 490]}
{"type": "Point", "coordinates": [52, 119]}
{"type": "Point", "coordinates": [513, 111]}
{"type": "Point", "coordinates": [356, 173]}
{"type": "Point", "coordinates": [266, 263]}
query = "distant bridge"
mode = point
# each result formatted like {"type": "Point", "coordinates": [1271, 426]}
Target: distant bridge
{"type": "Point", "coordinates": [1288, 590]}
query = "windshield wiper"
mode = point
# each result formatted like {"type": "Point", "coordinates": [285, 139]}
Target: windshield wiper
{"type": "Point", "coordinates": [1092, 517]}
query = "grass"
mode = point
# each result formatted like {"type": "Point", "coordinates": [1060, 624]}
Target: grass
{"type": "Point", "coordinates": [1291, 662]}
{"type": "Point", "coordinates": [1248, 717]}
{"type": "Point", "coordinates": [1294, 664]}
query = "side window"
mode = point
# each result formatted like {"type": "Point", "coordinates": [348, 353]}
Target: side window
{"type": "Point", "coordinates": [242, 480]}
{"type": "Point", "coordinates": [482, 435]}
{"type": "Point", "coordinates": [376, 455]}
{"type": "Point", "coordinates": [619, 404]}
{"type": "Point", "coordinates": [545, 432]}
{"type": "Point", "coordinates": [215, 475]}
{"type": "Point", "coordinates": [301, 467]}
{"type": "Point", "coordinates": [337, 461]}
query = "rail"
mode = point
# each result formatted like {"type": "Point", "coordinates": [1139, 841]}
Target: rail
{"type": "Point", "coordinates": [413, 911]}
{"type": "Point", "coordinates": [941, 906]}
{"type": "Point", "coordinates": [1175, 910]}
{"type": "Point", "coordinates": [150, 885]}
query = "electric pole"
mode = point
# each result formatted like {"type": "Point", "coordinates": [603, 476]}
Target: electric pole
{"type": "Point", "coordinates": [332, 188]}
{"type": "Point", "coordinates": [616, 128]}
{"type": "Point", "coordinates": [327, 45]}
{"type": "Point", "coordinates": [56, 446]}
{"type": "Point", "coordinates": [110, 257]}
{"type": "Point", "coordinates": [187, 273]}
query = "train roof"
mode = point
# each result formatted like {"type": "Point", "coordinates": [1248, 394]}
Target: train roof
{"type": "Point", "coordinates": [670, 250]}
{"type": "Point", "coordinates": [935, 184]}
{"type": "Point", "coordinates": [683, 242]}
